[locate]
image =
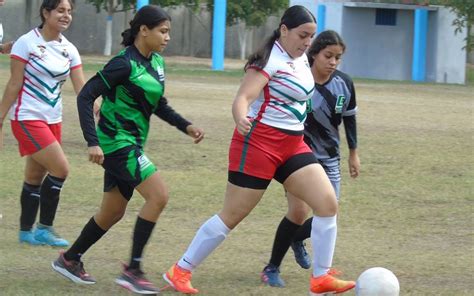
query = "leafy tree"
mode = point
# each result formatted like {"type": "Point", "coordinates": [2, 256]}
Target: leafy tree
{"type": "Point", "coordinates": [464, 10]}
{"type": "Point", "coordinates": [114, 6]}
{"type": "Point", "coordinates": [249, 14]}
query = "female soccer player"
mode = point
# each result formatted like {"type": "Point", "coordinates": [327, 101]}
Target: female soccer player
{"type": "Point", "coordinates": [132, 86]}
{"type": "Point", "coordinates": [333, 102]}
{"type": "Point", "coordinates": [269, 111]}
{"type": "Point", "coordinates": [41, 61]}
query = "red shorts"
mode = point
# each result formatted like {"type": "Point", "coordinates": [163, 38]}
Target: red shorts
{"type": "Point", "coordinates": [34, 135]}
{"type": "Point", "coordinates": [263, 150]}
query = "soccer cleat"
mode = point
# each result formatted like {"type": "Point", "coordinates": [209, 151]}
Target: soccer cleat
{"type": "Point", "coordinates": [48, 236]}
{"type": "Point", "coordinates": [73, 270]}
{"type": "Point", "coordinates": [135, 281]}
{"type": "Point", "coordinates": [180, 280]}
{"type": "Point", "coordinates": [328, 284]}
{"type": "Point", "coordinates": [271, 276]}
{"type": "Point", "coordinates": [301, 256]}
{"type": "Point", "coordinates": [29, 238]}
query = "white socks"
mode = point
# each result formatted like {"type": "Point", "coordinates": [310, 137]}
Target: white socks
{"type": "Point", "coordinates": [323, 240]}
{"type": "Point", "coordinates": [208, 237]}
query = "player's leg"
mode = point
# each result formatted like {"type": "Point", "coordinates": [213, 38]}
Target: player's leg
{"type": "Point", "coordinates": [311, 184]}
{"type": "Point", "coordinates": [238, 203]}
{"type": "Point", "coordinates": [30, 196]}
{"type": "Point", "coordinates": [153, 189]}
{"type": "Point", "coordinates": [332, 169]}
{"type": "Point", "coordinates": [111, 211]}
{"type": "Point", "coordinates": [289, 225]}
{"type": "Point", "coordinates": [53, 159]}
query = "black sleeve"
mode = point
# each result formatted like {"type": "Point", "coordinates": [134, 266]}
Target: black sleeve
{"type": "Point", "coordinates": [116, 71]}
{"type": "Point", "coordinates": [166, 113]}
{"type": "Point", "coordinates": [351, 131]}
{"type": "Point", "coordinates": [352, 103]}
{"type": "Point", "coordinates": [85, 106]}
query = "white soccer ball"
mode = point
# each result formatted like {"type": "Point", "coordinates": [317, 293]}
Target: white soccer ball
{"type": "Point", "coordinates": [377, 281]}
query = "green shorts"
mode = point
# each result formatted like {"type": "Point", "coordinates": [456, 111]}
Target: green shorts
{"type": "Point", "coordinates": [126, 168]}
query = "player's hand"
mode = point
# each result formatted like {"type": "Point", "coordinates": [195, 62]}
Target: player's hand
{"type": "Point", "coordinates": [96, 155]}
{"type": "Point", "coordinates": [354, 164]}
{"type": "Point", "coordinates": [195, 132]}
{"type": "Point", "coordinates": [244, 125]}
{"type": "Point", "coordinates": [6, 47]}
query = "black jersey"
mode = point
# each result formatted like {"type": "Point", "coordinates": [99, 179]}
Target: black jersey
{"type": "Point", "coordinates": [331, 102]}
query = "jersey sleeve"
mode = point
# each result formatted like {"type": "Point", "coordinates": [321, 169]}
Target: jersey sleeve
{"type": "Point", "coordinates": [85, 102]}
{"type": "Point", "coordinates": [166, 112]}
{"type": "Point", "coordinates": [270, 68]}
{"type": "Point", "coordinates": [115, 72]}
{"type": "Point", "coordinates": [352, 105]}
{"type": "Point", "coordinates": [21, 50]}
{"type": "Point", "coordinates": [75, 58]}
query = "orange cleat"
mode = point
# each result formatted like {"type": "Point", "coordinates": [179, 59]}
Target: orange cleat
{"type": "Point", "coordinates": [328, 284]}
{"type": "Point", "coordinates": [180, 280]}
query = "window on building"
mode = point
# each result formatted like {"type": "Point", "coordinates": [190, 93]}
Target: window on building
{"type": "Point", "coordinates": [386, 17]}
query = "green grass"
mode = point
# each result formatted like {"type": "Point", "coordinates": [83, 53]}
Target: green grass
{"type": "Point", "coordinates": [410, 210]}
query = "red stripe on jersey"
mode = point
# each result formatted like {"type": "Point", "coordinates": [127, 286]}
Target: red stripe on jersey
{"type": "Point", "coordinates": [15, 57]}
{"type": "Point", "coordinates": [20, 95]}
{"type": "Point", "coordinates": [75, 67]}
{"type": "Point", "coordinates": [286, 73]}
{"type": "Point", "coordinates": [266, 96]}
{"type": "Point", "coordinates": [260, 70]}
{"type": "Point", "coordinates": [284, 84]}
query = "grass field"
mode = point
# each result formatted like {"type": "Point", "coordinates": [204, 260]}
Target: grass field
{"type": "Point", "coordinates": [410, 210]}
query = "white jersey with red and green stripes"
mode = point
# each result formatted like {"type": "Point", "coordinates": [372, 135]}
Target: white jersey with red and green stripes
{"type": "Point", "coordinates": [47, 66]}
{"type": "Point", "coordinates": [282, 102]}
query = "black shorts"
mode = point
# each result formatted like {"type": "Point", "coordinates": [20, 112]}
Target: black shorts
{"type": "Point", "coordinates": [282, 173]}
{"type": "Point", "coordinates": [126, 168]}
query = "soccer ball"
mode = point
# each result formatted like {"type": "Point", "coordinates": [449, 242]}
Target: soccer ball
{"type": "Point", "coordinates": [377, 281]}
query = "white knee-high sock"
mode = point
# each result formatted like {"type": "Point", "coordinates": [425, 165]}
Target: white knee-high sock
{"type": "Point", "coordinates": [211, 234]}
{"type": "Point", "coordinates": [323, 240]}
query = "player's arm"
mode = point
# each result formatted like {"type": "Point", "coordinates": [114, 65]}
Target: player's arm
{"type": "Point", "coordinates": [252, 84]}
{"type": "Point", "coordinates": [350, 127]}
{"type": "Point", "coordinates": [166, 113]}
{"type": "Point", "coordinates": [77, 79]}
{"type": "Point", "coordinates": [13, 87]}
{"type": "Point", "coordinates": [85, 107]}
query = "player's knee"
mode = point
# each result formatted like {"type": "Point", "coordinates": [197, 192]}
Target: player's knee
{"type": "Point", "coordinates": [328, 206]}
{"type": "Point", "coordinates": [159, 200]}
{"type": "Point", "coordinates": [60, 171]}
{"type": "Point", "coordinates": [297, 215]}
{"type": "Point", "coordinates": [117, 215]}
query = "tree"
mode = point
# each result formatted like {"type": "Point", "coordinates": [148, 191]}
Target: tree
{"type": "Point", "coordinates": [464, 10]}
{"type": "Point", "coordinates": [114, 6]}
{"type": "Point", "coordinates": [249, 14]}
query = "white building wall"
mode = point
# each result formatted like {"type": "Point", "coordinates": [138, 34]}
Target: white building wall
{"type": "Point", "coordinates": [450, 57]}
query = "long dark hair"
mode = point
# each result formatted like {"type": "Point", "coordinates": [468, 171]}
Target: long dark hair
{"type": "Point", "coordinates": [293, 17]}
{"type": "Point", "coordinates": [150, 16]}
{"type": "Point", "coordinates": [50, 5]}
{"type": "Point", "coordinates": [323, 40]}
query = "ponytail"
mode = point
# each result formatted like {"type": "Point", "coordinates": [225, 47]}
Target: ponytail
{"type": "Point", "coordinates": [150, 16]}
{"type": "Point", "coordinates": [293, 17]}
{"type": "Point", "coordinates": [127, 37]}
{"type": "Point", "coordinates": [260, 57]}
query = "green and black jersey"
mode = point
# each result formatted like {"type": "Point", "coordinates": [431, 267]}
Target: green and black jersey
{"type": "Point", "coordinates": [132, 88]}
